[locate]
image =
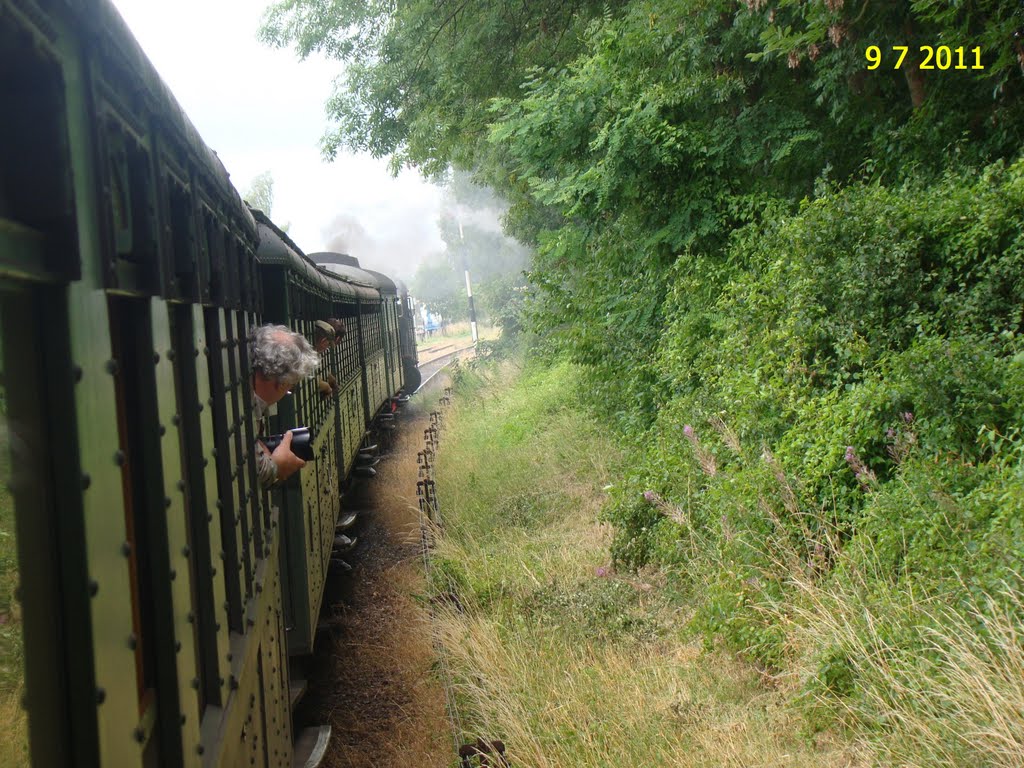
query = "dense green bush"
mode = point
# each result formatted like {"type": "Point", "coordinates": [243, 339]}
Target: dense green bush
{"type": "Point", "coordinates": [847, 401]}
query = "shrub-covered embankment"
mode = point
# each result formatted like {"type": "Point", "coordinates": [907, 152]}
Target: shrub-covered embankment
{"type": "Point", "coordinates": [835, 474]}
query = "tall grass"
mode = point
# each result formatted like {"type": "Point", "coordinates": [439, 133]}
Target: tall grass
{"type": "Point", "coordinates": [927, 682]}
{"type": "Point", "coordinates": [920, 672]}
{"type": "Point", "coordinates": [551, 650]}
{"type": "Point", "coordinates": [14, 729]}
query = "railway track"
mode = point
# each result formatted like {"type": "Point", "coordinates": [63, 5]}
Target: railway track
{"type": "Point", "coordinates": [435, 366]}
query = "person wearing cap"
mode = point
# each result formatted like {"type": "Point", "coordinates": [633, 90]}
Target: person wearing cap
{"type": "Point", "coordinates": [339, 333]}
{"type": "Point", "coordinates": [279, 359]}
{"type": "Point", "coordinates": [325, 336]}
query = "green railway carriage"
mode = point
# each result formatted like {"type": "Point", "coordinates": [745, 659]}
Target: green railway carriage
{"type": "Point", "coordinates": [298, 293]}
{"type": "Point", "coordinates": [376, 327]}
{"type": "Point", "coordinates": [391, 311]}
{"type": "Point", "coordinates": [161, 588]}
{"type": "Point", "coordinates": [408, 360]}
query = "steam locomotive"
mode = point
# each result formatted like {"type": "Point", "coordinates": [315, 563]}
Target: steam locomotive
{"type": "Point", "coordinates": [162, 592]}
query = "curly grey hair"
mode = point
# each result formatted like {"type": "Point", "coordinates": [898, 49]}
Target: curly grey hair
{"type": "Point", "coordinates": [281, 354]}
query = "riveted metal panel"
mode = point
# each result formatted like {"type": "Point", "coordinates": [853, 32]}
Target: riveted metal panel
{"type": "Point", "coordinates": [257, 500]}
{"type": "Point", "coordinates": [391, 346]}
{"type": "Point", "coordinates": [225, 423]}
{"type": "Point", "coordinates": [353, 423]}
{"type": "Point", "coordinates": [238, 392]}
{"type": "Point", "coordinates": [301, 532]}
{"type": "Point", "coordinates": [253, 747]}
{"type": "Point", "coordinates": [328, 485]}
{"type": "Point", "coordinates": [167, 458]}
{"type": "Point", "coordinates": [296, 573]}
{"type": "Point", "coordinates": [208, 487]}
{"type": "Point", "coordinates": [396, 344]}
{"type": "Point", "coordinates": [254, 727]}
{"type": "Point", "coordinates": [312, 539]}
{"type": "Point", "coordinates": [238, 454]}
{"type": "Point", "coordinates": [376, 382]}
{"type": "Point", "coordinates": [277, 721]}
{"type": "Point", "coordinates": [105, 533]}
{"type": "Point", "coordinates": [320, 494]}
{"type": "Point", "coordinates": [188, 562]}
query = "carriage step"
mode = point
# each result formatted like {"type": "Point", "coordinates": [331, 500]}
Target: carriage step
{"type": "Point", "coordinates": [337, 566]}
{"type": "Point", "coordinates": [311, 746]}
{"type": "Point", "coordinates": [343, 543]}
{"type": "Point", "coordinates": [346, 522]}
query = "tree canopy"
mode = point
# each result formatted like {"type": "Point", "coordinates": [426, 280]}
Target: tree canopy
{"type": "Point", "coordinates": [418, 76]}
{"type": "Point", "coordinates": [261, 192]}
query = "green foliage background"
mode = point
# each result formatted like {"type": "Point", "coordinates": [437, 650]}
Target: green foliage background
{"type": "Point", "coordinates": [796, 284]}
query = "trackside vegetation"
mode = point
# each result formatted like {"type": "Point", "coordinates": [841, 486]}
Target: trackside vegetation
{"type": "Point", "coordinates": [837, 472]}
{"type": "Point", "coordinates": [789, 274]}
{"type": "Point", "coordinates": [14, 735]}
{"type": "Point", "coordinates": [568, 660]}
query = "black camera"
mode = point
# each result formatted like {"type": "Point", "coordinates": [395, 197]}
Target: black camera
{"type": "Point", "coordinates": [300, 443]}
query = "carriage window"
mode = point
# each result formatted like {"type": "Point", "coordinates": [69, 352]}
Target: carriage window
{"type": "Point", "coordinates": [182, 235]}
{"type": "Point", "coordinates": [211, 254]}
{"type": "Point", "coordinates": [36, 204]}
{"type": "Point", "coordinates": [131, 204]}
{"type": "Point", "coordinates": [214, 261]}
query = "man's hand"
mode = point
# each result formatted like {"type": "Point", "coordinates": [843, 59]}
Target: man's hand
{"type": "Point", "coordinates": [287, 462]}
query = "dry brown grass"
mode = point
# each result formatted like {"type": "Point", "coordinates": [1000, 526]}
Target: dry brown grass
{"type": "Point", "coordinates": [13, 719]}
{"type": "Point", "coordinates": [13, 731]}
{"type": "Point", "coordinates": [587, 680]}
{"type": "Point", "coordinates": [559, 699]}
{"type": "Point", "coordinates": [957, 700]}
{"type": "Point", "coordinates": [383, 699]}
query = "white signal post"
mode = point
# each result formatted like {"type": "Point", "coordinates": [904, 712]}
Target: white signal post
{"type": "Point", "coordinates": [469, 290]}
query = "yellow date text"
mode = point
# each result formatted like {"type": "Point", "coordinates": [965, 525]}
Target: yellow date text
{"type": "Point", "coordinates": [924, 57]}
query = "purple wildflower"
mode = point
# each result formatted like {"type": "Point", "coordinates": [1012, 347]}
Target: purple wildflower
{"type": "Point", "coordinates": [903, 438]}
{"type": "Point", "coordinates": [705, 458]}
{"type": "Point", "coordinates": [865, 476]}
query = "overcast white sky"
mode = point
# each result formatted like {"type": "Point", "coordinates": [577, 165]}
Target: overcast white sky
{"type": "Point", "coordinates": [261, 109]}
